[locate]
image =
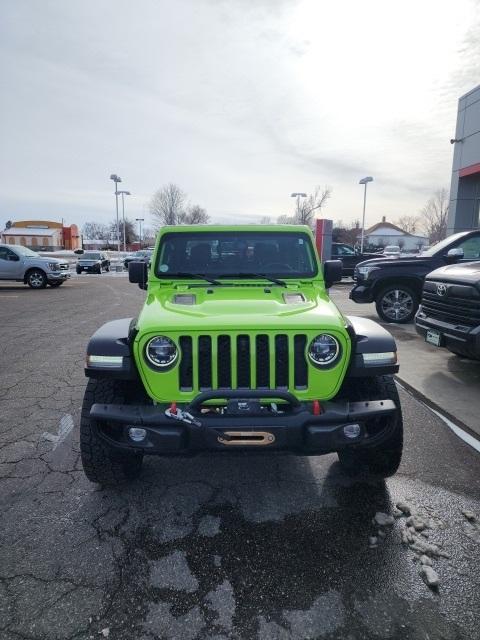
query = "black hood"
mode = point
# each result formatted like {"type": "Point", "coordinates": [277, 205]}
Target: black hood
{"type": "Point", "coordinates": [465, 273]}
{"type": "Point", "coordinates": [396, 262]}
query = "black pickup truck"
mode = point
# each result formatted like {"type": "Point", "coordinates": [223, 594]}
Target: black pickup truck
{"type": "Point", "coordinates": [449, 314]}
{"type": "Point", "coordinates": [349, 257]}
{"type": "Point", "coordinates": [395, 285]}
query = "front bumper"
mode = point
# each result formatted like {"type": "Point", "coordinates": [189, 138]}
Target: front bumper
{"type": "Point", "coordinates": [297, 429]}
{"type": "Point", "coordinates": [55, 276]}
{"type": "Point", "coordinates": [361, 293]}
{"type": "Point", "coordinates": [458, 337]}
{"type": "Point", "coordinates": [91, 268]}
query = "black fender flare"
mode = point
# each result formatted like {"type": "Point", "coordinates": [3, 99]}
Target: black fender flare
{"type": "Point", "coordinates": [369, 337]}
{"type": "Point", "coordinates": [114, 338]}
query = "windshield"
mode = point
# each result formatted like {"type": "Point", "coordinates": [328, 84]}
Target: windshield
{"type": "Point", "coordinates": [24, 251]}
{"type": "Point", "coordinates": [91, 256]}
{"type": "Point", "coordinates": [236, 254]}
{"type": "Point", "coordinates": [446, 242]}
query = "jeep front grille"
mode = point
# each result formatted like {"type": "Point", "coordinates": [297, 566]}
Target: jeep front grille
{"type": "Point", "coordinates": [243, 361]}
{"type": "Point", "coordinates": [459, 304]}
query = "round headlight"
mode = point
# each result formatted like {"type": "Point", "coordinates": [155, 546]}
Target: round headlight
{"type": "Point", "coordinates": [161, 352]}
{"type": "Point", "coordinates": [323, 350]}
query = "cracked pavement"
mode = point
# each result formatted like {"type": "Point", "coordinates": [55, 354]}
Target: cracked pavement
{"type": "Point", "coordinates": [242, 546]}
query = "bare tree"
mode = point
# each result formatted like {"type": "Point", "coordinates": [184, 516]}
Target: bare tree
{"type": "Point", "coordinates": [408, 223]}
{"type": "Point", "coordinates": [167, 205]}
{"type": "Point", "coordinates": [96, 231]}
{"type": "Point", "coordinates": [194, 214]}
{"type": "Point", "coordinates": [284, 219]}
{"type": "Point", "coordinates": [346, 232]}
{"type": "Point", "coordinates": [434, 216]}
{"type": "Point", "coordinates": [265, 220]}
{"type": "Point", "coordinates": [130, 233]}
{"type": "Point", "coordinates": [306, 208]}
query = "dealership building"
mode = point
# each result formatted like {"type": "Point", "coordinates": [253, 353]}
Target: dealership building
{"type": "Point", "coordinates": [464, 211]}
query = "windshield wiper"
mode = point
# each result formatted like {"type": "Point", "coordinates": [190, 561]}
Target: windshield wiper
{"type": "Point", "coordinates": [280, 283]}
{"type": "Point", "coordinates": [200, 276]}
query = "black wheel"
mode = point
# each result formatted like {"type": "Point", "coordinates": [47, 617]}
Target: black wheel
{"type": "Point", "coordinates": [101, 462]}
{"type": "Point", "coordinates": [98, 270]}
{"type": "Point", "coordinates": [57, 283]}
{"type": "Point", "coordinates": [36, 279]}
{"type": "Point", "coordinates": [397, 303]}
{"type": "Point", "coordinates": [79, 271]}
{"type": "Point", "coordinates": [107, 268]}
{"type": "Point", "coordinates": [382, 458]}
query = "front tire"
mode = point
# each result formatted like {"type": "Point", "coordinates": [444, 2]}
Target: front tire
{"type": "Point", "coordinates": [101, 462]}
{"type": "Point", "coordinates": [397, 303]}
{"type": "Point", "coordinates": [382, 459]}
{"type": "Point", "coordinates": [36, 279]}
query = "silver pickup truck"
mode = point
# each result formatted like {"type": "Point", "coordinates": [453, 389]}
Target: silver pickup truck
{"type": "Point", "coordinates": [23, 265]}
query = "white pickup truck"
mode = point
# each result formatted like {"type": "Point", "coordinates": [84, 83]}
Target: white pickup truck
{"type": "Point", "coordinates": [20, 264]}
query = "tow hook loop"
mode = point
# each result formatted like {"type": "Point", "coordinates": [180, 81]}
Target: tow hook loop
{"type": "Point", "coordinates": [183, 416]}
{"type": "Point", "coordinates": [317, 409]}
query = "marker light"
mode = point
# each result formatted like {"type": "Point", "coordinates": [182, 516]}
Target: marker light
{"type": "Point", "coordinates": [136, 434]}
{"type": "Point", "coordinates": [105, 361]}
{"type": "Point", "coordinates": [352, 430]}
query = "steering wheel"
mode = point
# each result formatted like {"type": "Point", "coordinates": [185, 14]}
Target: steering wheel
{"type": "Point", "coordinates": [276, 265]}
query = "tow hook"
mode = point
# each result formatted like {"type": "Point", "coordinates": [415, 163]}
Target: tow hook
{"type": "Point", "coordinates": [183, 416]}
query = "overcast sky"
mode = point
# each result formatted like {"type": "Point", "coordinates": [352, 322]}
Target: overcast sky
{"type": "Point", "coordinates": [239, 102]}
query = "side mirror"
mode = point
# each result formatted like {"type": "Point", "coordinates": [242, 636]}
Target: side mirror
{"type": "Point", "coordinates": [138, 273]}
{"type": "Point", "coordinates": [454, 254]}
{"type": "Point", "coordinates": [79, 252]}
{"type": "Point", "coordinates": [332, 272]}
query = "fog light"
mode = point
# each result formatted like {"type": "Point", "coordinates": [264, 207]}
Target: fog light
{"type": "Point", "coordinates": [352, 430]}
{"type": "Point", "coordinates": [136, 434]}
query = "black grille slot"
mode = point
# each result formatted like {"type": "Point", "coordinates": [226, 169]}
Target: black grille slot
{"type": "Point", "coordinates": [243, 361]}
{"type": "Point", "coordinates": [301, 368]}
{"type": "Point", "coordinates": [281, 361]}
{"type": "Point", "coordinates": [205, 362]}
{"type": "Point", "coordinates": [224, 359]}
{"type": "Point", "coordinates": [186, 365]}
{"type": "Point", "coordinates": [263, 361]}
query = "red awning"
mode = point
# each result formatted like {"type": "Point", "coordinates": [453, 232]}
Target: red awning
{"type": "Point", "coordinates": [470, 171]}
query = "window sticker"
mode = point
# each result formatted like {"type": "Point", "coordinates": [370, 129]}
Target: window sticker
{"type": "Point", "coordinates": [164, 268]}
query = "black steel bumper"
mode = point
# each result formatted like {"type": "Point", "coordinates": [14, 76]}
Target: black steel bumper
{"type": "Point", "coordinates": [361, 293]}
{"type": "Point", "coordinates": [458, 337]}
{"type": "Point", "coordinates": [296, 429]}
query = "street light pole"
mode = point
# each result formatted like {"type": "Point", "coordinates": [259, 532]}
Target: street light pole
{"type": "Point", "coordinates": [116, 179]}
{"type": "Point", "coordinates": [364, 181]}
{"type": "Point", "coordinates": [140, 220]}
{"type": "Point", "coordinates": [298, 196]}
{"type": "Point", "coordinates": [124, 193]}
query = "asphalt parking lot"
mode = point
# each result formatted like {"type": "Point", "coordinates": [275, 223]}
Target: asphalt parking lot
{"type": "Point", "coordinates": [210, 547]}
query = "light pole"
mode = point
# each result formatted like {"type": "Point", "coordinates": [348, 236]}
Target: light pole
{"type": "Point", "coordinates": [140, 220]}
{"type": "Point", "coordinates": [124, 193]}
{"type": "Point", "coordinates": [364, 181]}
{"type": "Point", "coordinates": [116, 180]}
{"type": "Point", "coordinates": [298, 196]}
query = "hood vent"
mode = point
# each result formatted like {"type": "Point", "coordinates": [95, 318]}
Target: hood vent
{"type": "Point", "coordinates": [184, 298]}
{"type": "Point", "coordinates": [293, 298]}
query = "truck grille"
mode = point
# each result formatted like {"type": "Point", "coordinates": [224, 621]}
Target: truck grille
{"type": "Point", "coordinates": [455, 304]}
{"type": "Point", "coordinates": [243, 362]}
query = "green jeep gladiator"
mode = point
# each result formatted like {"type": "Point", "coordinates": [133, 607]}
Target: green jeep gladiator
{"type": "Point", "coordinates": [238, 347]}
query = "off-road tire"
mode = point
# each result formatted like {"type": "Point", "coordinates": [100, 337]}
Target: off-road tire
{"type": "Point", "coordinates": [404, 289]}
{"type": "Point", "coordinates": [379, 459]}
{"type": "Point", "coordinates": [36, 279]}
{"type": "Point", "coordinates": [101, 462]}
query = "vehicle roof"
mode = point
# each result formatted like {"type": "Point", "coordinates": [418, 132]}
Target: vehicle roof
{"type": "Point", "coordinates": [260, 228]}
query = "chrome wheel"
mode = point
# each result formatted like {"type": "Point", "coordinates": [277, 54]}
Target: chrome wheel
{"type": "Point", "coordinates": [37, 280]}
{"type": "Point", "coordinates": [397, 305]}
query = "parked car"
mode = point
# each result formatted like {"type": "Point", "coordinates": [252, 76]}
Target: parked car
{"type": "Point", "coordinates": [396, 285]}
{"type": "Point", "coordinates": [20, 264]}
{"type": "Point", "coordinates": [238, 352]}
{"type": "Point", "coordinates": [349, 257]}
{"type": "Point", "coordinates": [449, 314]}
{"type": "Point", "coordinates": [392, 251]}
{"type": "Point", "coordinates": [142, 255]}
{"type": "Point", "coordinates": [93, 262]}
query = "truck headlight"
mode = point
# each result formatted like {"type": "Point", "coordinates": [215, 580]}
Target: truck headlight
{"type": "Point", "coordinates": [365, 271]}
{"type": "Point", "coordinates": [324, 350]}
{"type": "Point", "coordinates": [53, 266]}
{"type": "Point", "coordinates": [161, 352]}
